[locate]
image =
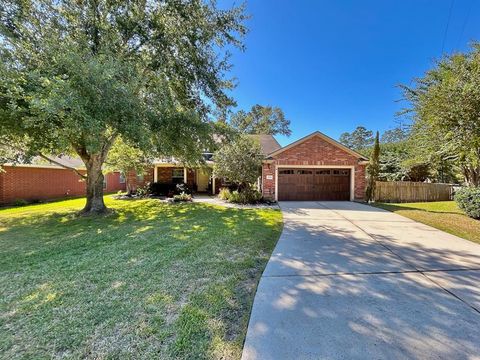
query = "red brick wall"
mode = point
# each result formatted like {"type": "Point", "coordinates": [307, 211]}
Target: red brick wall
{"type": "Point", "coordinates": [31, 183]}
{"type": "Point", "coordinates": [314, 151]}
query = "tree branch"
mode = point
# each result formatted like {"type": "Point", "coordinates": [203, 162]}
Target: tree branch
{"type": "Point", "coordinates": [83, 176]}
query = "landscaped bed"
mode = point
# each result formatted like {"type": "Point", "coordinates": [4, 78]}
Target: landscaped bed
{"type": "Point", "coordinates": [151, 280]}
{"type": "Point", "coordinates": [443, 215]}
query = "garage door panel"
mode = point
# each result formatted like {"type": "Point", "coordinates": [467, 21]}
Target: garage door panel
{"type": "Point", "coordinates": [314, 184]}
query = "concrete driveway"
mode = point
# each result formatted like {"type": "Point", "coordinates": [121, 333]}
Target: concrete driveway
{"type": "Point", "coordinates": [349, 281]}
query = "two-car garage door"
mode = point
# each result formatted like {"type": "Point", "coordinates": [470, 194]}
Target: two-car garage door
{"type": "Point", "coordinates": [313, 184]}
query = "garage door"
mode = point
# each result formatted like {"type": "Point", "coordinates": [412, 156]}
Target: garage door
{"type": "Point", "coordinates": [313, 184]}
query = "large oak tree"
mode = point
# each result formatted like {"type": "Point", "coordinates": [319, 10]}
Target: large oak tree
{"type": "Point", "coordinates": [76, 75]}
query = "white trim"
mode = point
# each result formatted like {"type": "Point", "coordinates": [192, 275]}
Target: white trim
{"type": "Point", "coordinates": [213, 185]}
{"type": "Point", "coordinates": [155, 173]}
{"type": "Point", "coordinates": [185, 175]}
{"type": "Point", "coordinates": [351, 167]}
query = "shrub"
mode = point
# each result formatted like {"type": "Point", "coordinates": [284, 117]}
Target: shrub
{"type": "Point", "coordinates": [224, 193]}
{"type": "Point", "coordinates": [468, 199]}
{"type": "Point", "coordinates": [160, 189]}
{"type": "Point", "coordinates": [20, 202]}
{"type": "Point", "coordinates": [183, 197]}
{"type": "Point", "coordinates": [245, 197]}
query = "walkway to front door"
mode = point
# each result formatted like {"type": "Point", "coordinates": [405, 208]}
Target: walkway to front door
{"type": "Point", "coordinates": [349, 281]}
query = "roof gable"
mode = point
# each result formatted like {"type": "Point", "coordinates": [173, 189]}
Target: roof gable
{"type": "Point", "coordinates": [323, 137]}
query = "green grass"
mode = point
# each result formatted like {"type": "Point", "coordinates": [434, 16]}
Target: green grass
{"type": "Point", "coordinates": [151, 280]}
{"type": "Point", "coordinates": [443, 215]}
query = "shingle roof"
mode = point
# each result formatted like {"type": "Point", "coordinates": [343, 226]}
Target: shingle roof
{"type": "Point", "coordinates": [268, 143]}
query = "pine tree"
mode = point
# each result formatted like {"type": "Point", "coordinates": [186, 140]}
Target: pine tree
{"type": "Point", "coordinates": [373, 169]}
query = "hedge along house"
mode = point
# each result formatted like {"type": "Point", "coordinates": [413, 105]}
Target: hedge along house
{"type": "Point", "coordinates": [200, 179]}
{"type": "Point", "coordinates": [41, 181]}
{"type": "Point", "coordinates": [315, 167]}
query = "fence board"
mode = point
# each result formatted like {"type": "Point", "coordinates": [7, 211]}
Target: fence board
{"type": "Point", "coordinates": [407, 191]}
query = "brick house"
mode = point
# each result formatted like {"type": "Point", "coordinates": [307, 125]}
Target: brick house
{"type": "Point", "coordinates": [315, 167]}
{"type": "Point", "coordinates": [37, 181]}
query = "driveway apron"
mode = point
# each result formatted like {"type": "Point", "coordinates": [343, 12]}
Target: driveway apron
{"type": "Point", "coordinates": [349, 281]}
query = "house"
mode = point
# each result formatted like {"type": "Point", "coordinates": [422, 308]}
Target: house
{"type": "Point", "coordinates": [171, 171]}
{"type": "Point", "coordinates": [41, 181]}
{"type": "Point", "coordinates": [315, 167]}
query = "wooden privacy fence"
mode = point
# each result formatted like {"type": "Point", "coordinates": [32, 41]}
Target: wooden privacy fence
{"type": "Point", "coordinates": [407, 191]}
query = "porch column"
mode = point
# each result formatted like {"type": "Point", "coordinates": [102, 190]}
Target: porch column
{"type": "Point", "coordinates": [155, 173]}
{"type": "Point", "coordinates": [185, 175]}
{"type": "Point", "coordinates": [213, 185]}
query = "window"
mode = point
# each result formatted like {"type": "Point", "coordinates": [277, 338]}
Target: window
{"type": "Point", "coordinates": [177, 175]}
{"type": "Point", "coordinates": [340, 172]}
{"type": "Point", "coordinates": [304, 172]}
{"type": "Point", "coordinates": [286, 172]}
{"type": "Point", "coordinates": [121, 178]}
{"type": "Point", "coordinates": [104, 183]}
{"type": "Point", "coordinates": [323, 172]}
{"type": "Point", "coordinates": [139, 178]}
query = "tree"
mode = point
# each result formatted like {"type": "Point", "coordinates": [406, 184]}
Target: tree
{"type": "Point", "coordinates": [373, 170]}
{"type": "Point", "coordinates": [262, 120]}
{"type": "Point", "coordinates": [394, 135]}
{"type": "Point", "coordinates": [239, 161]}
{"type": "Point", "coordinates": [126, 158]}
{"type": "Point", "coordinates": [359, 139]}
{"type": "Point", "coordinates": [445, 108]}
{"type": "Point", "coordinates": [76, 75]}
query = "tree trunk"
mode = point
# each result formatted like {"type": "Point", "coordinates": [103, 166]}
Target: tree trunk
{"type": "Point", "coordinates": [95, 203]}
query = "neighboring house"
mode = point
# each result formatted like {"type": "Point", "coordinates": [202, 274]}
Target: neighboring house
{"type": "Point", "coordinates": [315, 167]}
{"type": "Point", "coordinates": [40, 181]}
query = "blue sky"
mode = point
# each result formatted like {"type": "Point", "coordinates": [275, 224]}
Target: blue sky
{"type": "Point", "coordinates": [332, 65]}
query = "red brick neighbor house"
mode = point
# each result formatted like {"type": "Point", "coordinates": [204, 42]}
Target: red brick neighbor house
{"type": "Point", "coordinates": [315, 167]}
{"type": "Point", "coordinates": [34, 182]}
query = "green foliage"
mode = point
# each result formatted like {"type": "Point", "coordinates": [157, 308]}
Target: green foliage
{"type": "Point", "coordinates": [66, 277]}
{"type": "Point", "coordinates": [246, 196]}
{"type": "Point", "coordinates": [77, 75]}
{"type": "Point", "coordinates": [261, 120]}
{"type": "Point", "coordinates": [395, 135]}
{"type": "Point", "coordinates": [239, 161]}
{"type": "Point", "coordinates": [20, 202]}
{"type": "Point", "coordinates": [183, 197]}
{"type": "Point", "coordinates": [359, 139]}
{"type": "Point", "coordinates": [445, 107]}
{"type": "Point", "coordinates": [126, 158]}
{"type": "Point", "coordinates": [373, 169]}
{"type": "Point", "coordinates": [224, 193]}
{"type": "Point", "coordinates": [468, 199]}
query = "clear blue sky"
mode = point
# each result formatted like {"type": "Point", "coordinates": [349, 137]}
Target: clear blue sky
{"type": "Point", "coordinates": [334, 64]}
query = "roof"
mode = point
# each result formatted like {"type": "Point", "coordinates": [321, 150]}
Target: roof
{"type": "Point", "coordinates": [324, 137]}
{"type": "Point", "coordinates": [38, 162]}
{"type": "Point", "coordinates": [267, 142]}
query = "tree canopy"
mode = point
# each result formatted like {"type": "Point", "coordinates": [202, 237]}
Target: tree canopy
{"type": "Point", "coordinates": [239, 161]}
{"type": "Point", "coordinates": [77, 75]}
{"type": "Point", "coordinates": [445, 108]}
{"type": "Point", "coordinates": [359, 139]}
{"type": "Point", "coordinates": [261, 120]}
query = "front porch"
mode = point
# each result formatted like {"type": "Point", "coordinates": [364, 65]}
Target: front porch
{"type": "Point", "coordinates": [199, 179]}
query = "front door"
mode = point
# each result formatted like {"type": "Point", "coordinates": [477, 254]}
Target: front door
{"type": "Point", "coordinates": [203, 176]}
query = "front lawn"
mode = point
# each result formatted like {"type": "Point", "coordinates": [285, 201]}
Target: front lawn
{"type": "Point", "coordinates": [443, 215]}
{"type": "Point", "coordinates": [151, 280]}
